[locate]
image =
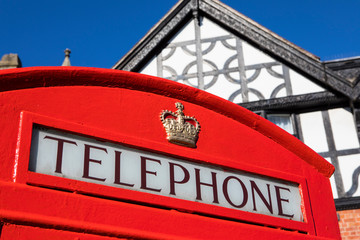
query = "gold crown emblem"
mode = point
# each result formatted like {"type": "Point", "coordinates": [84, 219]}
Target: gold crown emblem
{"type": "Point", "coordinates": [180, 129]}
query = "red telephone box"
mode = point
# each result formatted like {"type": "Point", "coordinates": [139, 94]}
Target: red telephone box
{"type": "Point", "coordinates": [103, 154]}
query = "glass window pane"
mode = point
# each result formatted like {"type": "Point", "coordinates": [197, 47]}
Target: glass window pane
{"type": "Point", "coordinates": [283, 121]}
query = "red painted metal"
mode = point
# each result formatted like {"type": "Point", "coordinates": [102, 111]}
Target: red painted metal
{"type": "Point", "coordinates": [124, 108]}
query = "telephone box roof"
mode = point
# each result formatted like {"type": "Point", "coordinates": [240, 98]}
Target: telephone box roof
{"type": "Point", "coordinates": [43, 77]}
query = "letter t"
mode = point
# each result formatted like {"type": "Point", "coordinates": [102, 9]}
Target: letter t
{"type": "Point", "coordinates": [60, 149]}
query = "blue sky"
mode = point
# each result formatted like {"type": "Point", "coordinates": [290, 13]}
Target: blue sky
{"type": "Point", "coordinates": [99, 33]}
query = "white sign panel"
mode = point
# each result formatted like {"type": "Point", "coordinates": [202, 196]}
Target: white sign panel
{"type": "Point", "coordinates": [85, 159]}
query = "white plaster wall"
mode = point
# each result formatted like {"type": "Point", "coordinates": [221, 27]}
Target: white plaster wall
{"type": "Point", "coordinates": [254, 56]}
{"type": "Point", "coordinates": [343, 128]}
{"type": "Point", "coordinates": [178, 61]}
{"type": "Point", "coordinates": [265, 83]}
{"type": "Point", "coordinates": [301, 85]}
{"type": "Point", "coordinates": [209, 29]}
{"type": "Point", "coordinates": [187, 33]}
{"type": "Point", "coordinates": [347, 166]}
{"type": "Point", "coordinates": [223, 88]}
{"type": "Point", "coordinates": [219, 54]}
{"type": "Point", "coordinates": [150, 68]}
{"type": "Point", "coordinates": [345, 137]}
{"type": "Point", "coordinates": [313, 131]}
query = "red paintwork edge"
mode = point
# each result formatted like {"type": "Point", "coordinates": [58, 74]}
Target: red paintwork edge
{"type": "Point", "coordinates": [34, 77]}
{"type": "Point", "coordinates": [122, 219]}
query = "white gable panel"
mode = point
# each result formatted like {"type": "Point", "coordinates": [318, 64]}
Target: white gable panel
{"type": "Point", "coordinates": [219, 54]}
{"type": "Point", "coordinates": [150, 68]}
{"type": "Point", "coordinates": [254, 56]}
{"type": "Point", "coordinates": [265, 83]}
{"type": "Point", "coordinates": [209, 29]}
{"type": "Point", "coordinates": [187, 33]}
{"type": "Point", "coordinates": [301, 85]}
{"type": "Point", "coordinates": [227, 66]}
{"type": "Point", "coordinates": [224, 89]}
{"type": "Point", "coordinates": [178, 62]}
